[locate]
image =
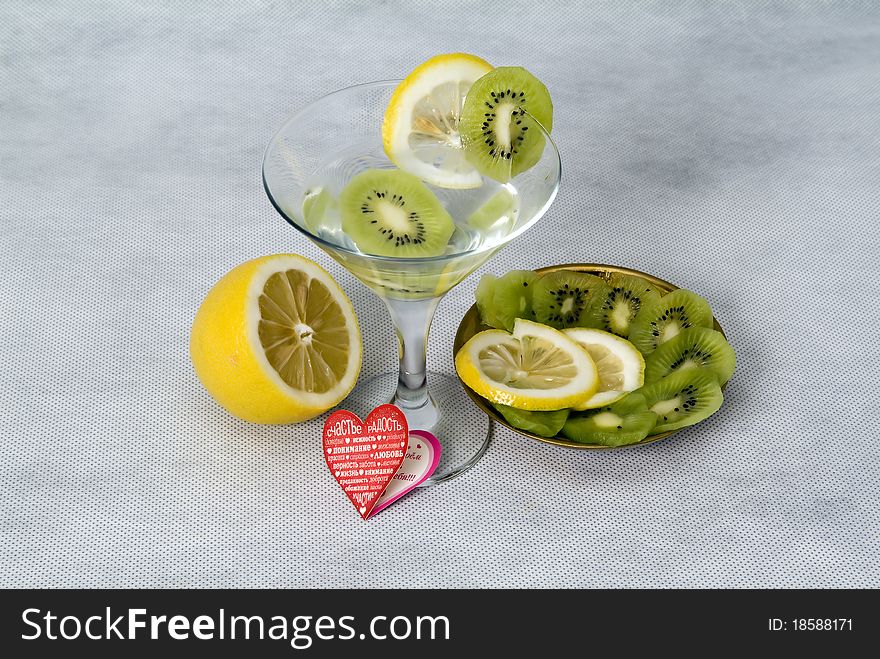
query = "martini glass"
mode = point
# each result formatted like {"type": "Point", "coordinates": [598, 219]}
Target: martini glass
{"type": "Point", "coordinates": [307, 164]}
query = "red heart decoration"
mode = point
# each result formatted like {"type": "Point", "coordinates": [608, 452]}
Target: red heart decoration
{"type": "Point", "coordinates": [362, 471]}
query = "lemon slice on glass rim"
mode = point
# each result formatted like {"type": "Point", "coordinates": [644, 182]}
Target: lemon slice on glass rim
{"type": "Point", "coordinates": [620, 365]}
{"type": "Point", "coordinates": [534, 368]}
{"type": "Point", "coordinates": [420, 129]}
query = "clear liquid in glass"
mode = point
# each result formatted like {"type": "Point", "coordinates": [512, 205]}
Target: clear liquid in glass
{"type": "Point", "coordinates": [409, 279]}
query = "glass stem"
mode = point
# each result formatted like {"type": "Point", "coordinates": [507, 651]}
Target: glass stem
{"type": "Point", "coordinates": [412, 321]}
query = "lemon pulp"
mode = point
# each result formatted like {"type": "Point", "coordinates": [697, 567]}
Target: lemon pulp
{"type": "Point", "coordinates": [609, 366]}
{"type": "Point", "coordinates": [303, 331]}
{"type": "Point", "coordinates": [534, 368]}
{"type": "Point", "coordinates": [534, 363]}
{"type": "Point", "coordinates": [620, 366]}
{"type": "Point", "coordinates": [420, 130]}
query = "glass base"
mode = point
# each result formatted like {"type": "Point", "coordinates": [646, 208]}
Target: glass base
{"type": "Point", "coordinates": [462, 428]}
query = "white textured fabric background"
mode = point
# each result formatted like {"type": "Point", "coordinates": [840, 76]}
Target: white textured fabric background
{"type": "Point", "coordinates": [733, 149]}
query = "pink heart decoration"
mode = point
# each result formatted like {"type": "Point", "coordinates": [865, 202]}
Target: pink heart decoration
{"type": "Point", "coordinates": [422, 457]}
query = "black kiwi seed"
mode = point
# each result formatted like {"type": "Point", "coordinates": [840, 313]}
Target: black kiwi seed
{"type": "Point", "coordinates": [562, 299]}
{"type": "Point", "coordinates": [560, 296]}
{"type": "Point", "coordinates": [662, 320]}
{"type": "Point", "coordinates": [488, 124]}
{"type": "Point", "coordinates": [391, 213]}
{"type": "Point", "coordinates": [418, 229]}
{"type": "Point", "coordinates": [621, 302]}
{"type": "Point", "coordinates": [512, 97]}
{"type": "Point", "coordinates": [697, 355]}
{"type": "Point", "coordinates": [697, 347]}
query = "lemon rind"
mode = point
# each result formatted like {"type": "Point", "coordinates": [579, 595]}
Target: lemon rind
{"type": "Point", "coordinates": [466, 363]}
{"type": "Point", "coordinates": [634, 368]}
{"type": "Point", "coordinates": [396, 124]}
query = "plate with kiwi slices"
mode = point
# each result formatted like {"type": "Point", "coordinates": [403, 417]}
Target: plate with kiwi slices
{"type": "Point", "coordinates": [688, 360]}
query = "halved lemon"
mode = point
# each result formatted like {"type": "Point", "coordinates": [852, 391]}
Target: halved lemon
{"type": "Point", "coordinates": [420, 128]}
{"type": "Point", "coordinates": [621, 366]}
{"type": "Point", "coordinates": [534, 368]}
{"type": "Point", "coordinates": [276, 340]}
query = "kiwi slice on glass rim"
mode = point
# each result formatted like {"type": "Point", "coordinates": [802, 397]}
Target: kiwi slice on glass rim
{"type": "Point", "coordinates": [683, 398]}
{"type": "Point", "coordinates": [564, 298]}
{"type": "Point", "coordinates": [545, 424]}
{"type": "Point", "coordinates": [388, 212]}
{"type": "Point", "coordinates": [498, 129]}
{"type": "Point", "coordinates": [668, 317]}
{"type": "Point", "coordinates": [512, 297]}
{"type": "Point", "coordinates": [697, 347]}
{"type": "Point", "coordinates": [620, 303]}
{"type": "Point", "coordinates": [625, 422]}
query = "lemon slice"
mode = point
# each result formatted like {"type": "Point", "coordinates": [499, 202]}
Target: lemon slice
{"type": "Point", "coordinates": [420, 129]}
{"type": "Point", "coordinates": [535, 368]}
{"type": "Point", "coordinates": [621, 366]}
{"type": "Point", "coordinates": [276, 341]}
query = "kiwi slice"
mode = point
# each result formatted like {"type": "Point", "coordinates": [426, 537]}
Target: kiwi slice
{"type": "Point", "coordinates": [500, 210]}
{"type": "Point", "coordinates": [391, 213]}
{"type": "Point", "coordinates": [621, 301]}
{"type": "Point", "coordinates": [564, 298]}
{"type": "Point", "coordinates": [545, 424]}
{"type": "Point", "coordinates": [683, 398]}
{"type": "Point", "coordinates": [485, 305]}
{"type": "Point", "coordinates": [497, 126]}
{"type": "Point", "coordinates": [625, 422]}
{"type": "Point", "coordinates": [697, 347]}
{"type": "Point", "coordinates": [668, 317]}
{"type": "Point", "coordinates": [512, 297]}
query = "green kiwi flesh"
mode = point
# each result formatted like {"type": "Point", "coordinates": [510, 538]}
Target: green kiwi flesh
{"type": "Point", "coordinates": [666, 318]}
{"type": "Point", "coordinates": [497, 126]}
{"type": "Point", "coordinates": [627, 421]}
{"type": "Point", "coordinates": [499, 211]}
{"type": "Point", "coordinates": [625, 296]}
{"type": "Point", "coordinates": [696, 347]}
{"type": "Point", "coordinates": [512, 297]}
{"type": "Point", "coordinates": [388, 212]}
{"type": "Point", "coordinates": [564, 298]}
{"type": "Point", "coordinates": [485, 305]}
{"type": "Point", "coordinates": [683, 398]}
{"type": "Point", "coordinates": [545, 424]}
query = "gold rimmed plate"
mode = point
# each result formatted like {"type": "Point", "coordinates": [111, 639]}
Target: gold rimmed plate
{"type": "Point", "coordinates": [471, 325]}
